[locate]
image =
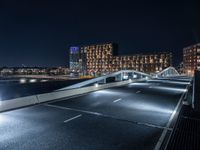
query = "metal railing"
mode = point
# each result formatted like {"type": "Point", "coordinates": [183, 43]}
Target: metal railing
{"type": "Point", "coordinates": [103, 78]}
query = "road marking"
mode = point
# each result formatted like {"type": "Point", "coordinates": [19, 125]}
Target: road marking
{"type": "Point", "coordinates": [138, 92]}
{"type": "Point", "coordinates": [108, 116]}
{"type": "Point", "coordinates": [117, 100]}
{"type": "Point", "coordinates": [73, 109]}
{"type": "Point", "coordinates": [68, 120]}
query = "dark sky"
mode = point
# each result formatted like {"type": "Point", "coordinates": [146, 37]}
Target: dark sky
{"type": "Point", "coordinates": [39, 32]}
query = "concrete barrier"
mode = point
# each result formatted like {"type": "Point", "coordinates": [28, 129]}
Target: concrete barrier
{"type": "Point", "coordinates": [40, 98]}
{"type": "Point", "coordinates": [18, 102]}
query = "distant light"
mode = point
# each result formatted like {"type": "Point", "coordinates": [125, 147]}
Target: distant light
{"type": "Point", "coordinates": [32, 80]}
{"type": "Point", "coordinates": [43, 80]}
{"type": "Point", "coordinates": [22, 81]}
{"type": "Point", "coordinates": [96, 85]}
{"type": "Point", "coordinates": [125, 77]}
{"type": "Point", "coordinates": [147, 78]}
{"type": "Point", "coordinates": [130, 80]}
{"type": "Point", "coordinates": [174, 112]}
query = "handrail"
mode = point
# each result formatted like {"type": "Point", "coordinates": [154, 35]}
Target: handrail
{"type": "Point", "coordinates": [94, 80]}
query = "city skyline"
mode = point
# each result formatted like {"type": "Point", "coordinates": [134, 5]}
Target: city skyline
{"type": "Point", "coordinates": [99, 59]}
{"type": "Point", "coordinates": [100, 74]}
{"type": "Point", "coordinates": [37, 33]}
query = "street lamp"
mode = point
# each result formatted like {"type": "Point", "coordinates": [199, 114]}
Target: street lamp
{"type": "Point", "coordinates": [96, 85]}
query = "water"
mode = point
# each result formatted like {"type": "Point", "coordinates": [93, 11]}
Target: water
{"type": "Point", "coordinates": [12, 88]}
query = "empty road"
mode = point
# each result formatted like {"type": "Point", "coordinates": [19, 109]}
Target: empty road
{"type": "Point", "coordinates": [125, 118]}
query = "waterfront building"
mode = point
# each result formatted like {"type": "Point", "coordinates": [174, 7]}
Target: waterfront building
{"type": "Point", "coordinates": [74, 58]}
{"type": "Point", "coordinates": [191, 59]}
{"type": "Point", "coordinates": [98, 58]}
{"type": "Point", "coordinates": [103, 58]}
{"type": "Point", "coordinates": [148, 63]}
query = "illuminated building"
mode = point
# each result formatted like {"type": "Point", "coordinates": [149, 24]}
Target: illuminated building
{"type": "Point", "coordinates": [148, 63]}
{"type": "Point", "coordinates": [191, 59]}
{"type": "Point", "coordinates": [102, 58]}
{"type": "Point", "coordinates": [180, 68]}
{"type": "Point", "coordinates": [99, 58]}
{"type": "Point", "coordinates": [74, 59]}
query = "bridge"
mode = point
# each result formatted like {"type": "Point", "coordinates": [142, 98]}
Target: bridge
{"type": "Point", "coordinates": [123, 110]}
{"type": "Point", "coordinates": [118, 76]}
{"type": "Point", "coordinates": [168, 72]}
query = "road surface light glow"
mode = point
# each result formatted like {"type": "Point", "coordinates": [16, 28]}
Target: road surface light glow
{"type": "Point", "coordinates": [32, 80]}
{"type": "Point", "coordinates": [22, 81]}
{"type": "Point", "coordinates": [107, 92]}
{"type": "Point", "coordinates": [141, 84]}
{"type": "Point", "coordinates": [2, 118]}
{"type": "Point", "coordinates": [171, 82]}
{"type": "Point", "coordinates": [169, 89]}
{"type": "Point", "coordinates": [149, 107]}
{"type": "Point", "coordinates": [96, 84]}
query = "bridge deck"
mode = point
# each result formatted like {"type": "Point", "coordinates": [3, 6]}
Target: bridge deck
{"type": "Point", "coordinates": [128, 117]}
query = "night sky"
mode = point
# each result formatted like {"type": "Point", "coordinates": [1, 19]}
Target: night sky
{"type": "Point", "coordinates": [39, 32]}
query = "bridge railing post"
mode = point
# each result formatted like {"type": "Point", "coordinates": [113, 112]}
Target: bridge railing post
{"type": "Point", "coordinates": [196, 91]}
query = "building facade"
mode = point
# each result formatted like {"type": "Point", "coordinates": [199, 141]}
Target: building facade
{"type": "Point", "coordinates": [99, 58]}
{"type": "Point", "coordinates": [191, 59]}
{"type": "Point", "coordinates": [103, 58]}
{"type": "Point", "coordinates": [148, 63]}
{"type": "Point", "coordinates": [92, 59]}
{"type": "Point", "coordinates": [74, 54]}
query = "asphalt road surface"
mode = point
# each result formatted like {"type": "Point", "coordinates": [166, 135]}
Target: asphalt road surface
{"type": "Point", "coordinates": [130, 117]}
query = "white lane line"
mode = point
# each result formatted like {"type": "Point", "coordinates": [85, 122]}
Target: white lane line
{"type": "Point", "coordinates": [73, 109]}
{"type": "Point", "coordinates": [138, 92]}
{"type": "Point", "coordinates": [107, 116]}
{"type": "Point", "coordinates": [68, 120]}
{"type": "Point", "coordinates": [117, 100]}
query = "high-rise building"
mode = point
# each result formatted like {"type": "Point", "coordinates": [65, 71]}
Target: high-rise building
{"type": "Point", "coordinates": [74, 57]}
{"type": "Point", "coordinates": [191, 59]}
{"type": "Point", "coordinates": [92, 59]}
{"type": "Point", "coordinates": [102, 58]}
{"type": "Point", "coordinates": [99, 57]}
